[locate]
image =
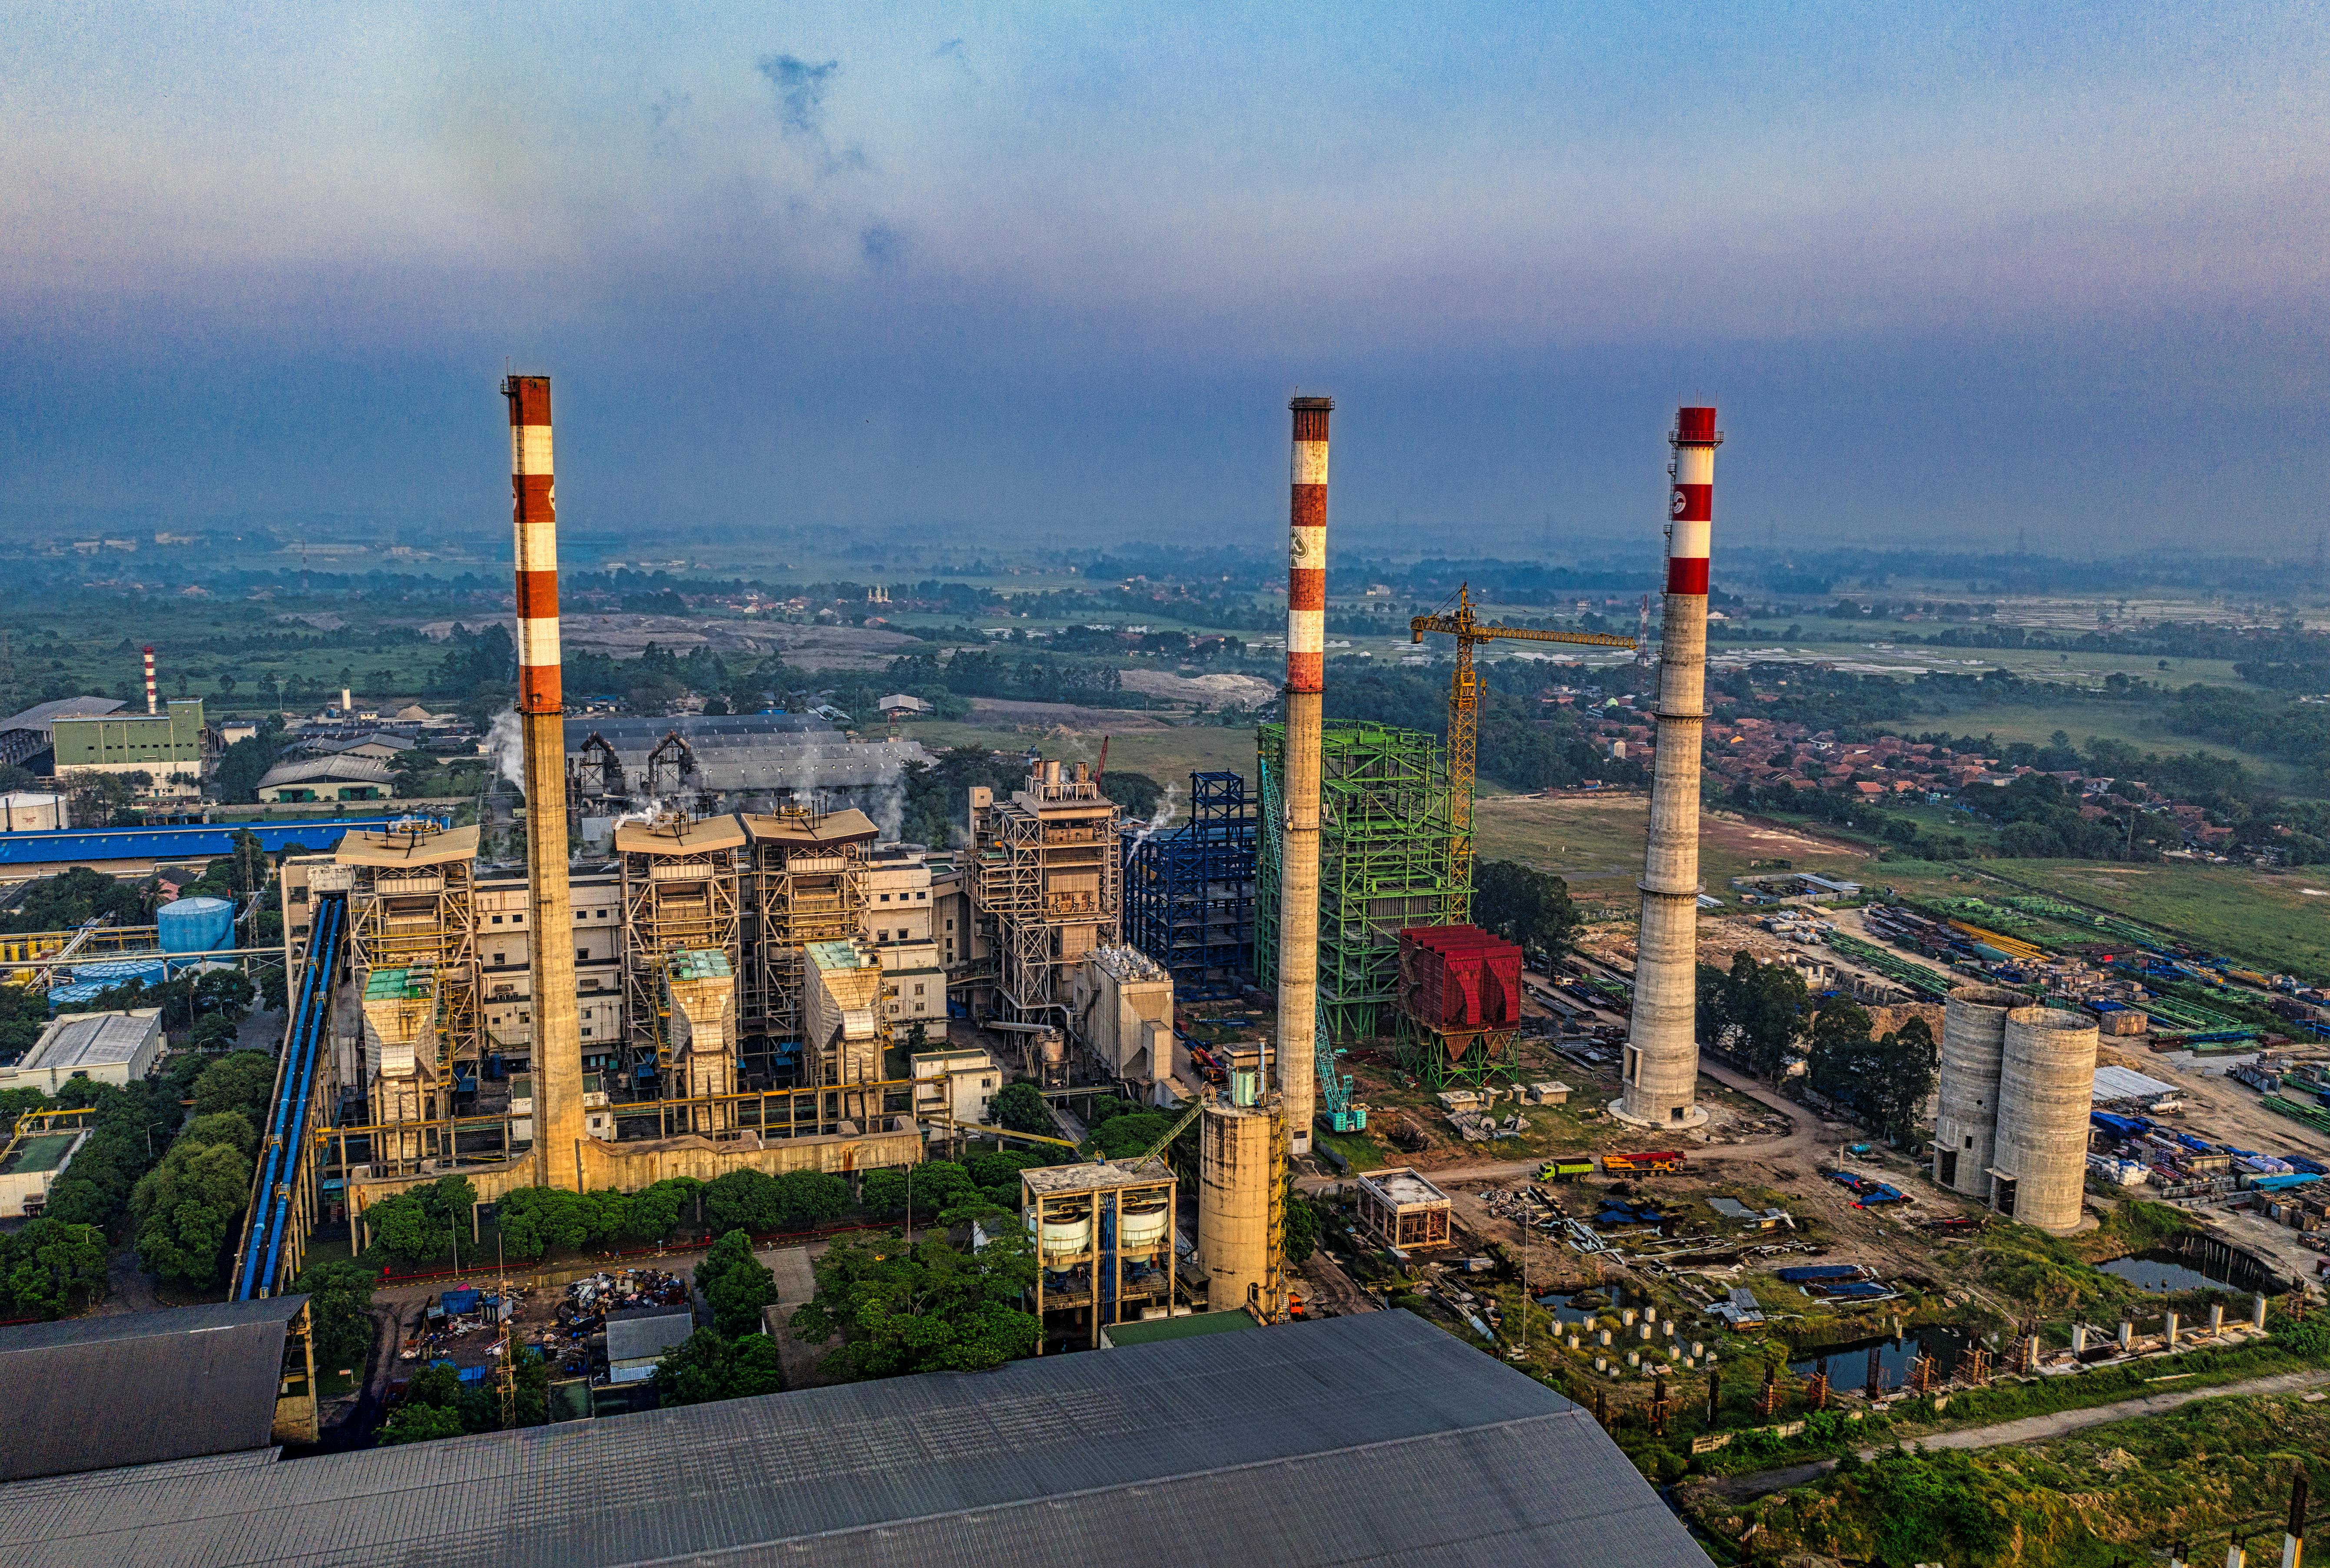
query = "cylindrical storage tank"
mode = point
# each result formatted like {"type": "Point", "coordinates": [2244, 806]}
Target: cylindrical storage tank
{"type": "Point", "coordinates": [1236, 1149]}
{"type": "Point", "coordinates": [1974, 1044]}
{"type": "Point", "coordinates": [196, 925]}
{"type": "Point", "coordinates": [1142, 1227]}
{"type": "Point", "coordinates": [1066, 1237]}
{"type": "Point", "coordinates": [2047, 1086]}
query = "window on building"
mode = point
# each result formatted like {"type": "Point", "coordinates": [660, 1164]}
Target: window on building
{"type": "Point", "coordinates": [497, 920]}
{"type": "Point", "coordinates": [918, 989]}
{"type": "Point", "coordinates": [298, 895]}
{"type": "Point", "coordinates": [921, 892]}
{"type": "Point", "coordinates": [885, 898]}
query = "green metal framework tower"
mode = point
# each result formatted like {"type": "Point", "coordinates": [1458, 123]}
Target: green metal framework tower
{"type": "Point", "coordinates": [1386, 861]}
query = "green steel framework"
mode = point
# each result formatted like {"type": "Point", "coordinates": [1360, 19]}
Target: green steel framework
{"type": "Point", "coordinates": [1386, 861]}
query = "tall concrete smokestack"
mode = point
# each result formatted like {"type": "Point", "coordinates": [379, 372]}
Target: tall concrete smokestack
{"type": "Point", "coordinates": [541, 708]}
{"type": "Point", "coordinates": [152, 706]}
{"type": "Point", "coordinates": [1661, 1065]}
{"type": "Point", "coordinates": [1297, 872]}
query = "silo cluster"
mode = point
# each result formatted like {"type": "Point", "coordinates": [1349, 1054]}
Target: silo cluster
{"type": "Point", "coordinates": [2017, 1084]}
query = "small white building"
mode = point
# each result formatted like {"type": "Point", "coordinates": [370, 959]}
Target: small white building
{"type": "Point", "coordinates": [115, 1048]}
{"type": "Point", "coordinates": [897, 923]}
{"type": "Point", "coordinates": [32, 1167]}
{"type": "Point", "coordinates": [972, 1079]}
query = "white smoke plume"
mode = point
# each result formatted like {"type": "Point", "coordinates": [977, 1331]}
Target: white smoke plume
{"type": "Point", "coordinates": [1157, 823]}
{"type": "Point", "coordinates": [506, 744]}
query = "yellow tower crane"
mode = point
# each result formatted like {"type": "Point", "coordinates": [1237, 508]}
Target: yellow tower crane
{"type": "Point", "coordinates": [1465, 701]}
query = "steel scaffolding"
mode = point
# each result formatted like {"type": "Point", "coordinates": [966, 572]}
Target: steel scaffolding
{"type": "Point", "coordinates": [412, 907]}
{"type": "Point", "coordinates": [679, 891]}
{"type": "Point", "coordinates": [1046, 886]}
{"type": "Point", "coordinates": [1188, 894]}
{"type": "Point", "coordinates": [807, 885]}
{"type": "Point", "coordinates": [1386, 861]}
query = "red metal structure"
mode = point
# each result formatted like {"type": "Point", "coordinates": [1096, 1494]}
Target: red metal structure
{"type": "Point", "coordinates": [1460, 991]}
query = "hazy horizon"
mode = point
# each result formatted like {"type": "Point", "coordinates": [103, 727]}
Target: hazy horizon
{"type": "Point", "coordinates": [1954, 276]}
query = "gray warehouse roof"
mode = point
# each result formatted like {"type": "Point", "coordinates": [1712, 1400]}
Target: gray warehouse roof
{"type": "Point", "coordinates": [80, 1041]}
{"type": "Point", "coordinates": [644, 1332]}
{"type": "Point", "coordinates": [1374, 1438]}
{"type": "Point", "coordinates": [91, 1394]}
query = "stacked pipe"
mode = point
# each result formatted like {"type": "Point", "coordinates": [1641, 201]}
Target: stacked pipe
{"type": "Point", "coordinates": [1298, 876]}
{"type": "Point", "coordinates": [152, 706]}
{"type": "Point", "coordinates": [541, 708]}
{"type": "Point", "coordinates": [1662, 1064]}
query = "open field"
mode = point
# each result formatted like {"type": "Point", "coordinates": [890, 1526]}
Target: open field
{"type": "Point", "coordinates": [2135, 723]}
{"type": "Point", "coordinates": [1595, 843]}
{"type": "Point", "coordinates": [2269, 918]}
{"type": "Point", "coordinates": [1166, 753]}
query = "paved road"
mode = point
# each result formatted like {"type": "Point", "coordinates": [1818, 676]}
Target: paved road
{"type": "Point", "coordinates": [2029, 1429]}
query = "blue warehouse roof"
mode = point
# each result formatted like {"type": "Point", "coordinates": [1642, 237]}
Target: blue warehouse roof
{"type": "Point", "coordinates": [92, 847]}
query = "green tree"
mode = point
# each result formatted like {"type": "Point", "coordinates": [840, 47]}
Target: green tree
{"type": "Point", "coordinates": [655, 1210]}
{"type": "Point", "coordinates": [241, 1080]}
{"type": "Point", "coordinates": [534, 1220]}
{"type": "Point", "coordinates": [189, 1210]}
{"type": "Point", "coordinates": [1020, 1106]}
{"type": "Point", "coordinates": [339, 1304]}
{"type": "Point", "coordinates": [1838, 1061]}
{"type": "Point", "coordinates": [225, 992]}
{"type": "Point", "coordinates": [1905, 1062]}
{"type": "Point", "coordinates": [925, 1308]}
{"type": "Point", "coordinates": [938, 1186]}
{"type": "Point", "coordinates": [213, 1032]}
{"type": "Point", "coordinates": [416, 1227]}
{"type": "Point", "coordinates": [1758, 1012]}
{"type": "Point", "coordinates": [736, 1284]}
{"type": "Point", "coordinates": [1122, 1137]}
{"type": "Point", "coordinates": [1525, 906]}
{"type": "Point", "coordinates": [1301, 1238]}
{"type": "Point", "coordinates": [807, 1199]}
{"type": "Point", "coordinates": [709, 1365]}
{"type": "Point", "coordinates": [743, 1200]}
{"type": "Point", "coordinates": [231, 1127]}
{"type": "Point", "coordinates": [50, 1264]}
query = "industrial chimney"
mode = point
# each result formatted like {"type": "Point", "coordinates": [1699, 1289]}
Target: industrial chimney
{"type": "Point", "coordinates": [1661, 1063]}
{"type": "Point", "coordinates": [1298, 875]}
{"type": "Point", "coordinates": [152, 706]}
{"type": "Point", "coordinates": [541, 709]}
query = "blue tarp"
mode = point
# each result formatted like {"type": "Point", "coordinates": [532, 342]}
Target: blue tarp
{"type": "Point", "coordinates": [460, 1300]}
{"type": "Point", "coordinates": [87, 846]}
{"type": "Point", "coordinates": [1822, 1271]}
{"type": "Point", "coordinates": [2282, 1184]}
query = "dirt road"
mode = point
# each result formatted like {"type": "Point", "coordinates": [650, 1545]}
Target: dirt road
{"type": "Point", "coordinates": [2029, 1429]}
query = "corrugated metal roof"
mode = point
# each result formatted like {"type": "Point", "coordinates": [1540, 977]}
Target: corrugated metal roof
{"type": "Point", "coordinates": [95, 846]}
{"type": "Point", "coordinates": [82, 1040]}
{"type": "Point", "coordinates": [641, 1332]}
{"type": "Point", "coordinates": [42, 716]}
{"type": "Point", "coordinates": [93, 1394]}
{"type": "Point", "coordinates": [1374, 1438]}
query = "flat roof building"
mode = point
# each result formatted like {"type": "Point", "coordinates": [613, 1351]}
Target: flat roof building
{"type": "Point", "coordinates": [115, 1048]}
{"type": "Point", "coordinates": [1404, 1209]}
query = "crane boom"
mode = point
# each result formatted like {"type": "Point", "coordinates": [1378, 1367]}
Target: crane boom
{"type": "Point", "coordinates": [1465, 702]}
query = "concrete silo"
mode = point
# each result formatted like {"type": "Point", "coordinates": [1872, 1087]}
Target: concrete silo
{"type": "Point", "coordinates": [2046, 1090]}
{"type": "Point", "coordinates": [1974, 1048]}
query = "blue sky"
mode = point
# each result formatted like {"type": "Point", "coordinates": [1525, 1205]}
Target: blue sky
{"type": "Point", "coordinates": [1951, 272]}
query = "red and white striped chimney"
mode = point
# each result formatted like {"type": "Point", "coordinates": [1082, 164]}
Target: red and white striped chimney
{"type": "Point", "coordinates": [557, 1048]}
{"type": "Point", "coordinates": [1659, 1069]}
{"type": "Point", "coordinates": [152, 706]}
{"type": "Point", "coordinates": [535, 515]}
{"type": "Point", "coordinates": [1298, 864]}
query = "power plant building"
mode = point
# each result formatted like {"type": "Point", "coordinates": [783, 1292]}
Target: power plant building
{"type": "Point", "coordinates": [168, 747]}
{"type": "Point", "coordinates": [1045, 877]}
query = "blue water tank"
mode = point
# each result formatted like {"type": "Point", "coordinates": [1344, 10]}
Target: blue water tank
{"type": "Point", "coordinates": [196, 925]}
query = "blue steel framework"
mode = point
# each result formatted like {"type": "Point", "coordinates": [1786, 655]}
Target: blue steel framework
{"type": "Point", "coordinates": [1188, 894]}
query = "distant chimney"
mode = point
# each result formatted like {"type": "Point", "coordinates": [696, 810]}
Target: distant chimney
{"type": "Point", "coordinates": [152, 706]}
{"type": "Point", "coordinates": [347, 703]}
